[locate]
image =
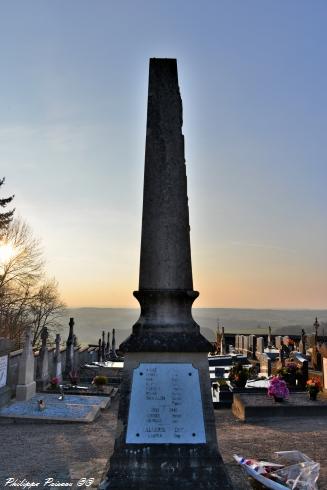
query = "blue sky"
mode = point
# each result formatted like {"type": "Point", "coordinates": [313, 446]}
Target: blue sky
{"type": "Point", "coordinates": [253, 79]}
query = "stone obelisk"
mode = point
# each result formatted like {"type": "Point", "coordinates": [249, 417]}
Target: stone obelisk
{"type": "Point", "coordinates": [166, 435]}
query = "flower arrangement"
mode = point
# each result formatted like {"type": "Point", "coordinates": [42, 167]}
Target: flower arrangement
{"type": "Point", "coordinates": [100, 380]}
{"type": "Point", "coordinates": [313, 386]}
{"type": "Point", "coordinates": [54, 382]}
{"type": "Point", "coordinates": [239, 375]}
{"type": "Point", "coordinates": [290, 373]}
{"type": "Point", "coordinates": [277, 388]}
{"type": "Point", "coordinates": [223, 385]}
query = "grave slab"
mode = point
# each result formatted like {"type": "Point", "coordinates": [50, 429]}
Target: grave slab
{"type": "Point", "coordinates": [73, 408]}
{"type": "Point", "coordinates": [250, 407]}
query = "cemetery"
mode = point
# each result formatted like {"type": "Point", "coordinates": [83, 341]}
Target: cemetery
{"type": "Point", "coordinates": [167, 408]}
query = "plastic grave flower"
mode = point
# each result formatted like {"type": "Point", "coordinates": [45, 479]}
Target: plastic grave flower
{"type": "Point", "coordinates": [278, 388]}
{"type": "Point", "coordinates": [314, 385]}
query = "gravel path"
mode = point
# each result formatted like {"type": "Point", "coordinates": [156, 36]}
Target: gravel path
{"type": "Point", "coordinates": [261, 439]}
{"type": "Point", "coordinates": [69, 452]}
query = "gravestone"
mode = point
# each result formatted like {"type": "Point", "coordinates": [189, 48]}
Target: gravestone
{"type": "Point", "coordinates": [246, 344]}
{"type": "Point", "coordinates": [253, 344]}
{"type": "Point", "coordinates": [26, 386]}
{"type": "Point", "coordinates": [57, 359]}
{"type": "Point", "coordinates": [113, 345]}
{"type": "Point", "coordinates": [242, 343]}
{"type": "Point", "coordinates": [99, 351]}
{"type": "Point", "coordinates": [260, 345]}
{"type": "Point", "coordinates": [278, 342]}
{"type": "Point", "coordinates": [265, 365]}
{"type": "Point", "coordinates": [5, 391]}
{"type": "Point", "coordinates": [42, 372]}
{"type": "Point", "coordinates": [236, 342]}
{"type": "Point", "coordinates": [325, 372]}
{"type": "Point", "coordinates": [166, 436]}
{"type": "Point", "coordinates": [76, 353]}
{"type": "Point", "coordinates": [103, 346]}
{"type": "Point", "coordinates": [222, 341]}
{"type": "Point", "coordinates": [108, 343]}
{"type": "Point", "coordinates": [302, 347]}
{"type": "Point", "coordinates": [70, 348]}
{"type": "Point", "coordinates": [269, 337]}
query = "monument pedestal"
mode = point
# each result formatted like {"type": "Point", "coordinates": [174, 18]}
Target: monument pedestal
{"type": "Point", "coordinates": [25, 392]}
{"type": "Point", "coordinates": [166, 435]}
{"type": "Point", "coordinates": [173, 411]}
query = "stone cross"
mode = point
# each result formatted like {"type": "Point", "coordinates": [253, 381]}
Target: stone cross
{"type": "Point", "coordinates": [70, 348]}
{"type": "Point", "coordinates": [42, 376]}
{"type": "Point", "coordinates": [222, 341]}
{"type": "Point", "coordinates": [108, 343]}
{"type": "Point", "coordinates": [26, 386]}
{"type": "Point", "coordinates": [302, 343]}
{"type": "Point", "coordinates": [99, 351]}
{"type": "Point", "coordinates": [76, 353]}
{"type": "Point", "coordinates": [57, 359]}
{"type": "Point", "coordinates": [269, 336]}
{"type": "Point", "coordinates": [103, 346]}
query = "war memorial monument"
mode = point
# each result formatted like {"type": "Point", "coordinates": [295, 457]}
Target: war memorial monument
{"type": "Point", "coordinates": [166, 436]}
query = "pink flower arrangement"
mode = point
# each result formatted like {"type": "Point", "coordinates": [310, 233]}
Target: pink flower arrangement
{"type": "Point", "coordinates": [277, 387]}
{"type": "Point", "coordinates": [54, 381]}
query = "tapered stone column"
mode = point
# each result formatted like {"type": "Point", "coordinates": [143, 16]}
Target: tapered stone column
{"type": "Point", "coordinates": [166, 435]}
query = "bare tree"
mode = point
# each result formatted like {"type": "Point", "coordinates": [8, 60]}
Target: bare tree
{"type": "Point", "coordinates": [25, 265]}
{"type": "Point", "coordinates": [26, 296]}
{"type": "Point", "coordinates": [46, 309]}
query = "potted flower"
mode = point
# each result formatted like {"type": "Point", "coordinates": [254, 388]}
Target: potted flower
{"type": "Point", "coordinates": [277, 388]}
{"type": "Point", "coordinates": [100, 381]}
{"type": "Point", "coordinates": [223, 385]}
{"type": "Point", "coordinates": [288, 373]}
{"type": "Point", "coordinates": [239, 375]}
{"type": "Point", "coordinates": [313, 387]}
{"type": "Point", "coordinates": [54, 382]}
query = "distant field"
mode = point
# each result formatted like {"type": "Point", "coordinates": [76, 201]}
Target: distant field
{"type": "Point", "coordinates": [89, 322]}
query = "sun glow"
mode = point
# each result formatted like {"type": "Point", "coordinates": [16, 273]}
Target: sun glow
{"type": "Point", "coordinates": [6, 252]}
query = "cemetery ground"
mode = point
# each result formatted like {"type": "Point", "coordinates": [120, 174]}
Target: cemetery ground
{"type": "Point", "coordinates": [70, 452]}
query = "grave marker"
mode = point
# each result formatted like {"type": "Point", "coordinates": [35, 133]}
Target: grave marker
{"type": "Point", "coordinates": [26, 386]}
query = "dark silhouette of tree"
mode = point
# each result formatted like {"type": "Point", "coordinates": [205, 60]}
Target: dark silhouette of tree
{"type": "Point", "coordinates": [5, 218]}
{"type": "Point", "coordinates": [27, 297]}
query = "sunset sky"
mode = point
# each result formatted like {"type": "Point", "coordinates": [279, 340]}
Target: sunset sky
{"type": "Point", "coordinates": [253, 78]}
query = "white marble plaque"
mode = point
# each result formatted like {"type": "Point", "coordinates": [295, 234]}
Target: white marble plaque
{"type": "Point", "coordinates": [3, 370]}
{"type": "Point", "coordinates": [165, 405]}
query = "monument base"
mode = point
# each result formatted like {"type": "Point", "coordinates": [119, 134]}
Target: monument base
{"type": "Point", "coordinates": [157, 466]}
{"type": "Point", "coordinates": [25, 392]}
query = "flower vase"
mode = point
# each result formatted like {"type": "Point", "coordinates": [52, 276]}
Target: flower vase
{"type": "Point", "coordinates": [278, 399]}
{"type": "Point", "coordinates": [313, 395]}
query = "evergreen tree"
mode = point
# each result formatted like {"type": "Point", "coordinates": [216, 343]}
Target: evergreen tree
{"type": "Point", "coordinates": [5, 218]}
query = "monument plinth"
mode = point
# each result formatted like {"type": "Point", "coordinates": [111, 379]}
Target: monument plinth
{"type": "Point", "coordinates": [166, 436]}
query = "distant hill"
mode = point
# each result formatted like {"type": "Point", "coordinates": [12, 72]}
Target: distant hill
{"type": "Point", "coordinates": [89, 322]}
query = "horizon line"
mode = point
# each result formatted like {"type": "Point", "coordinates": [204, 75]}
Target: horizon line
{"type": "Point", "coordinates": [206, 308]}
